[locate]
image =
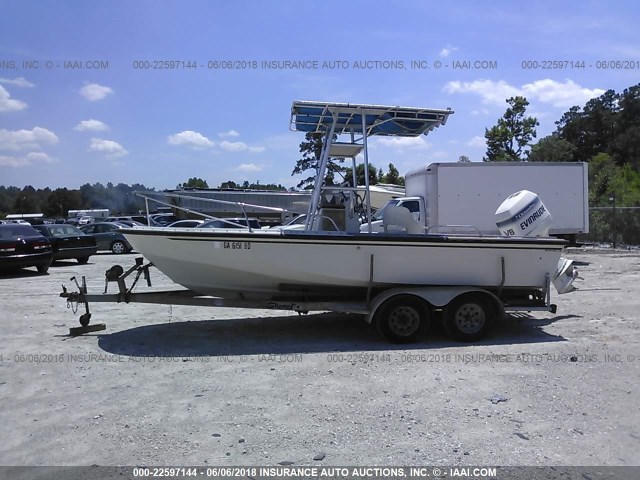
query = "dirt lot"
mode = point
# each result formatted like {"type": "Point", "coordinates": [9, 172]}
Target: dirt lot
{"type": "Point", "coordinates": [188, 385]}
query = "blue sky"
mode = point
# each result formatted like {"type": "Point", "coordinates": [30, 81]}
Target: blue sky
{"type": "Point", "coordinates": [62, 126]}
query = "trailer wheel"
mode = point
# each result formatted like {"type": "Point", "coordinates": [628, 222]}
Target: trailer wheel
{"type": "Point", "coordinates": [402, 319]}
{"type": "Point", "coordinates": [84, 319]}
{"type": "Point", "coordinates": [468, 317]}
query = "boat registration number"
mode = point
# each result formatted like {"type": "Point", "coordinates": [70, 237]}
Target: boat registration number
{"type": "Point", "coordinates": [237, 245]}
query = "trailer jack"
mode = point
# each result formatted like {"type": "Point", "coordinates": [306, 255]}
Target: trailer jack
{"type": "Point", "coordinates": [114, 274]}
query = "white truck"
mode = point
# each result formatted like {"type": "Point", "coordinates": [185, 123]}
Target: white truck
{"type": "Point", "coordinates": [445, 194]}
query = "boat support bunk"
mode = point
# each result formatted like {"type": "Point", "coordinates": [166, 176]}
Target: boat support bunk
{"type": "Point", "coordinates": [400, 313]}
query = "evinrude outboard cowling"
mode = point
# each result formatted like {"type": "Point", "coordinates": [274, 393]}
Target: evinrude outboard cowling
{"type": "Point", "coordinates": [523, 215]}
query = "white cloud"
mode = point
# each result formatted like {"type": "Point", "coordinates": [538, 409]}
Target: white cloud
{"type": "Point", "coordinates": [558, 94]}
{"type": "Point", "coordinates": [8, 104]}
{"type": "Point", "coordinates": [196, 140]}
{"type": "Point", "coordinates": [250, 167]}
{"type": "Point", "coordinates": [404, 142]}
{"type": "Point", "coordinates": [239, 147]}
{"type": "Point", "coordinates": [482, 111]}
{"type": "Point", "coordinates": [189, 138]}
{"type": "Point", "coordinates": [477, 142]}
{"type": "Point", "coordinates": [91, 126]}
{"type": "Point", "coordinates": [539, 114]}
{"type": "Point", "coordinates": [23, 161]}
{"type": "Point", "coordinates": [17, 82]}
{"type": "Point", "coordinates": [109, 148]}
{"type": "Point", "coordinates": [490, 91]}
{"type": "Point", "coordinates": [448, 50]}
{"type": "Point", "coordinates": [13, 161]}
{"type": "Point", "coordinates": [39, 157]}
{"type": "Point", "coordinates": [94, 92]}
{"type": "Point", "coordinates": [230, 133]}
{"type": "Point", "coordinates": [26, 139]}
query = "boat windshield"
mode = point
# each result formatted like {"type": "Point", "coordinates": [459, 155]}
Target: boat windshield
{"type": "Point", "coordinates": [380, 213]}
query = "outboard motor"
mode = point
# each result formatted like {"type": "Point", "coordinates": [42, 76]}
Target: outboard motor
{"type": "Point", "coordinates": [565, 275]}
{"type": "Point", "coordinates": [523, 215]}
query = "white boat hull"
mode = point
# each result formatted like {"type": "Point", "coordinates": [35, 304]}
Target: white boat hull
{"type": "Point", "coordinates": [261, 264]}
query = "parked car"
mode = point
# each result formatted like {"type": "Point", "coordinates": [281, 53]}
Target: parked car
{"type": "Point", "coordinates": [108, 236]}
{"type": "Point", "coordinates": [68, 241]}
{"type": "Point", "coordinates": [131, 223]}
{"type": "Point", "coordinates": [186, 223]}
{"type": "Point", "coordinates": [219, 223]}
{"type": "Point", "coordinates": [18, 221]}
{"type": "Point", "coordinates": [164, 219]}
{"type": "Point", "coordinates": [22, 246]}
{"type": "Point", "coordinates": [143, 219]}
{"type": "Point", "coordinates": [86, 220]}
{"type": "Point", "coordinates": [140, 219]}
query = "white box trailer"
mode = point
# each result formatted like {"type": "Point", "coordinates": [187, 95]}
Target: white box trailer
{"type": "Point", "coordinates": [95, 213]}
{"type": "Point", "coordinates": [470, 193]}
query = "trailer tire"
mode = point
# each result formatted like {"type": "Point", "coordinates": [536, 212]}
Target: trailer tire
{"type": "Point", "coordinates": [468, 317]}
{"type": "Point", "coordinates": [402, 319]}
{"type": "Point", "coordinates": [85, 318]}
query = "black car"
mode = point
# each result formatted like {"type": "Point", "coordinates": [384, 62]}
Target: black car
{"type": "Point", "coordinates": [68, 241]}
{"type": "Point", "coordinates": [22, 246]}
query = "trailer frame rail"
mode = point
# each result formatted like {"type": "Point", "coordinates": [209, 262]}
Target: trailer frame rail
{"type": "Point", "coordinates": [364, 301]}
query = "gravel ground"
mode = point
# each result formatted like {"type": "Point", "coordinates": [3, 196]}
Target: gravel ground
{"type": "Point", "coordinates": [209, 386]}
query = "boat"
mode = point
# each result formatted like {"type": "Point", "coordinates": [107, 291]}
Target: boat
{"type": "Point", "coordinates": [331, 255]}
{"type": "Point", "coordinates": [270, 264]}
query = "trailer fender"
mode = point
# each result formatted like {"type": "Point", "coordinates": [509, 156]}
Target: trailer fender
{"type": "Point", "coordinates": [438, 297]}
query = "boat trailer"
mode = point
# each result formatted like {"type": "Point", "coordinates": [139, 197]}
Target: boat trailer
{"type": "Point", "coordinates": [368, 301]}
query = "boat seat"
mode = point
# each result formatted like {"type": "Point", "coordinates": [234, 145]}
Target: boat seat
{"type": "Point", "coordinates": [400, 219]}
